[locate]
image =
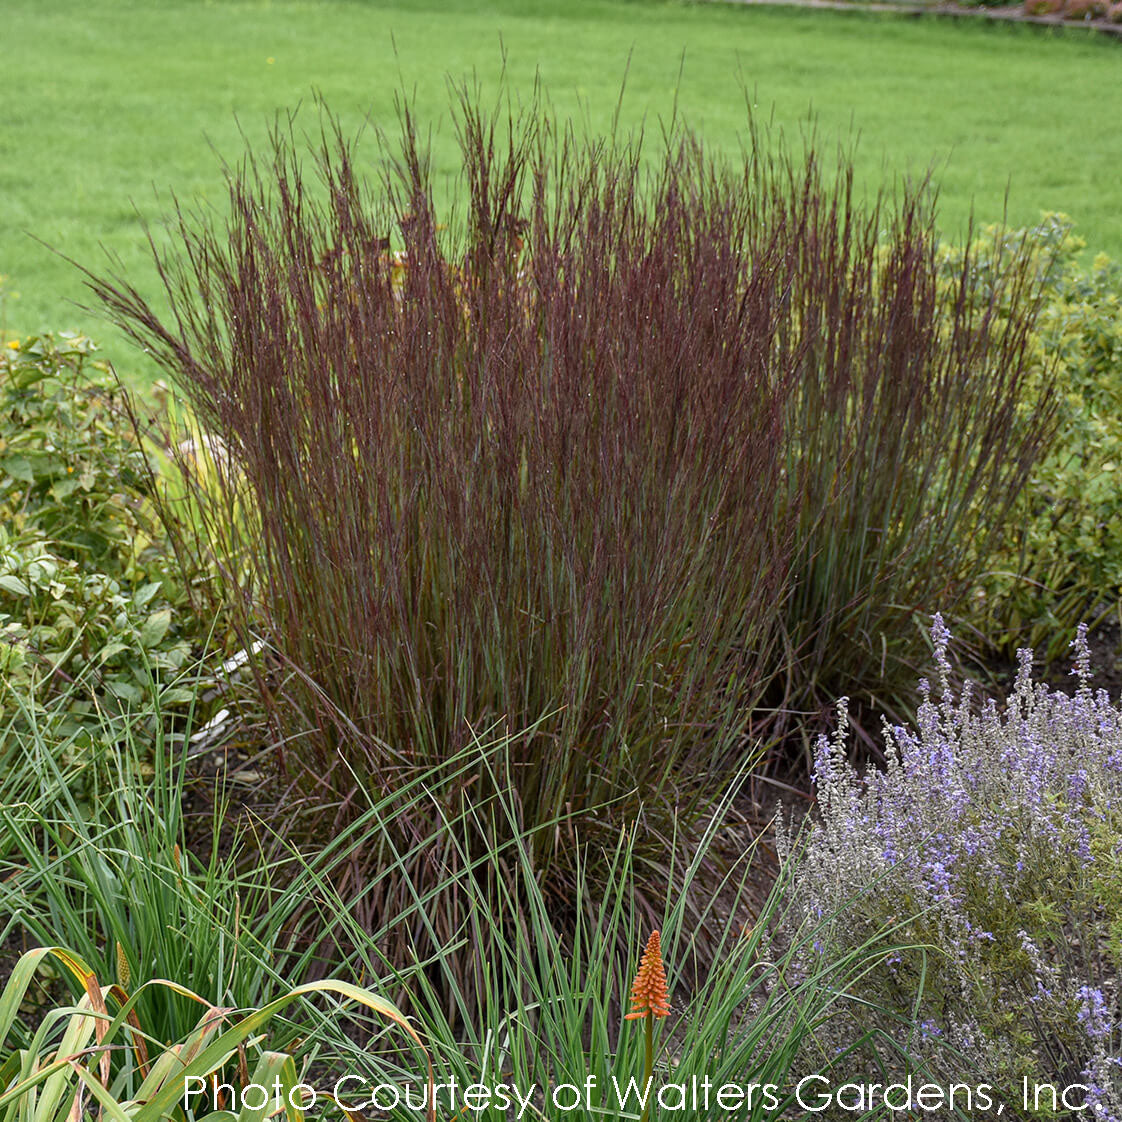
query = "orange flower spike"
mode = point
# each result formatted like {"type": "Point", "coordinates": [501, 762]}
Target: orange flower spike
{"type": "Point", "coordinates": [649, 995]}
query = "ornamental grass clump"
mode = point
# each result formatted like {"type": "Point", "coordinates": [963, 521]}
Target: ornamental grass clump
{"type": "Point", "coordinates": [999, 827]}
{"type": "Point", "coordinates": [919, 412]}
{"type": "Point", "coordinates": [585, 467]}
{"type": "Point", "coordinates": [524, 483]}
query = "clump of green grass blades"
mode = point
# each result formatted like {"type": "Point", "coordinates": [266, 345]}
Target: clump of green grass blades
{"type": "Point", "coordinates": [549, 1008]}
{"type": "Point", "coordinates": [749, 1017]}
{"type": "Point", "coordinates": [631, 452]}
{"type": "Point", "coordinates": [94, 855]}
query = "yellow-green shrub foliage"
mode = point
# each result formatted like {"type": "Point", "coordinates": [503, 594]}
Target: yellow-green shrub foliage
{"type": "Point", "coordinates": [1066, 564]}
{"type": "Point", "coordinates": [91, 605]}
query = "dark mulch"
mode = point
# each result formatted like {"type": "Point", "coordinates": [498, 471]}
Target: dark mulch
{"type": "Point", "coordinates": [1105, 643]}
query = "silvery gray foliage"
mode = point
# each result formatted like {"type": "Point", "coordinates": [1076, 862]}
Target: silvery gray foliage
{"type": "Point", "coordinates": [991, 844]}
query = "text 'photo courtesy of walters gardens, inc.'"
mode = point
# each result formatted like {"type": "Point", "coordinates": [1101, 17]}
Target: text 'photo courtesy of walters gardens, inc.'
{"type": "Point", "coordinates": [811, 1094]}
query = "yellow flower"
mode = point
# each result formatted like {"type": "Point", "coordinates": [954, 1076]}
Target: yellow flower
{"type": "Point", "coordinates": [13, 344]}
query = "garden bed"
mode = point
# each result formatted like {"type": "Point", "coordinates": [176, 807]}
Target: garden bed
{"type": "Point", "coordinates": [1045, 13]}
{"type": "Point", "coordinates": [530, 559]}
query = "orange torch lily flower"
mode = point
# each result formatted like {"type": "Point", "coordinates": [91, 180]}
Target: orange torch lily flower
{"type": "Point", "coordinates": [649, 995]}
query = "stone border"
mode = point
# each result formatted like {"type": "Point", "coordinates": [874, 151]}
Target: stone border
{"type": "Point", "coordinates": [943, 8]}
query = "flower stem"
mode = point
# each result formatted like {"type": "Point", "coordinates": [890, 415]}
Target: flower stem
{"type": "Point", "coordinates": [648, 1067]}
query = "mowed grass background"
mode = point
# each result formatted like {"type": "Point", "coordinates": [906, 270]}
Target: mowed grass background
{"type": "Point", "coordinates": [108, 105]}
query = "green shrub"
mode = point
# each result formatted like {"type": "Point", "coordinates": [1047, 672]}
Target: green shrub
{"type": "Point", "coordinates": [1062, 557]}
{"type": "Point", "coordinates": [92, 604]}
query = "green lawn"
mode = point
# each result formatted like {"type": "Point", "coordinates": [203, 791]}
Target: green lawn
{"type": "Point", "coordinates": [105, 101]}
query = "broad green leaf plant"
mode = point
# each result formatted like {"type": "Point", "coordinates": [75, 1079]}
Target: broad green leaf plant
{"type": "Point", "coordinates": [92, 603]}
{"type": "Point", "coordinates": [95, 1055]}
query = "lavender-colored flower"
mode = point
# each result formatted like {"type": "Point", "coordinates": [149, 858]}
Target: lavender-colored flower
{"type": "Point", "coordinates": [1093, 1014]}
{"type": "Point", "coordinates": [998, 828]}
